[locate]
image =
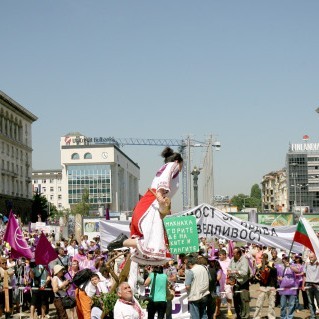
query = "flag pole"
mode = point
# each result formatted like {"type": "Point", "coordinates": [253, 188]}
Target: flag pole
{"type": "Point", "coordinates": [292, 243]}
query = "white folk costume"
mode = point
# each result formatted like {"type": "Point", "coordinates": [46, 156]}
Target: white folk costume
{"type": "Point", "coordinates": [147, 224]}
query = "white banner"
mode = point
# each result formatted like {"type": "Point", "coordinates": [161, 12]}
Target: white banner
{"type": "Point", "coordinates": [213, 222]}
{"type": "Point", "coordinates": [110, 229]}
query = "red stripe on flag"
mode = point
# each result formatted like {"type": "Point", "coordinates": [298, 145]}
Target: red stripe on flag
{"type": "Point", "coordinates": [304, 240]}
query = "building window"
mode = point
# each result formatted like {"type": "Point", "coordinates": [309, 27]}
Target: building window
{"type": "Point", "coordinates": [87, 156]}
{"type": "Point", "coordinates": [44, 189]}
{"type": "Point", "coordinates": [95, 178]}
{"type": "Point", "coordinates": [51, 189]}
{"type": "Point", "coordinates": [75, 156]}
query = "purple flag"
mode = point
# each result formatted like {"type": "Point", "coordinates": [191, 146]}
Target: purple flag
{"type": "Point", "coordinates": [212, 252]}
{"type": "Point", "coordinates": [44, 252]}
{"type": "Point", "coordinates": [230, 249]}
{"type": "Point", "coordinates": [14, 237]}
{"type": "Point", "coordinates": [107, 213]}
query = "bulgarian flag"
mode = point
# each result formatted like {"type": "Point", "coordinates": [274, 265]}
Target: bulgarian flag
{"type": "Point", "coordinates": [306, 236]}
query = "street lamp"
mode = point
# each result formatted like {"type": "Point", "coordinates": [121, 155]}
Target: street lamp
{"type": "Point", "coordinates": [244, 198]}
{"type": "Point", "coordinates": [195, 173]}
{"type": "Point", "coordinates": [294, 175]}
{"type": "Point", "coordinates": [300, 186]}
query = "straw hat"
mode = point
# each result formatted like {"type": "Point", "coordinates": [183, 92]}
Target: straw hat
{"type": "Point", "coordinates": [57, 268]}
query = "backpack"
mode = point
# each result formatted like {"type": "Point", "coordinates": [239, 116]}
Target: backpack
{"type": "Point", "coordinates": [37, 279]}
{"type": "Point", "coordinates": [82, 277]}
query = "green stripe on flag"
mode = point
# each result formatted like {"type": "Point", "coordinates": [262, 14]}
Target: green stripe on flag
{"type": "Point", "coordinates": [301, 228]}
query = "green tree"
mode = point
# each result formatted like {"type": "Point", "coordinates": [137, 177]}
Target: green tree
{"type": "Point", "coordinates": [240, 200]}
{"type": "Point", "coordinates": [255, 195]}
{"type": "Point", "coordinates": [39, 208]}
{"type": "Point", "coordinates": [253, 201]}
{"type": "Point", "coordinates": [83, 207]}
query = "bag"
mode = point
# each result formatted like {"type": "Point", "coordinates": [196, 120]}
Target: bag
{"type": "Point", "coordinates": [231, 280]}
{"type": "Point", "coordinates": [37, 280]}
{"type": "Point", "coordinates": [170, 294]}
{"type": "Point", "coordinates": [68, 302]}
{"type": "Point", "coordinates": [82, 277]}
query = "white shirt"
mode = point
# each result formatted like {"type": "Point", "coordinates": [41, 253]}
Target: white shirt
{"type": "Point", "coordinates": [90, 289]}
{"type": "Point", "coordinates": [72, 251]}
{"type": "Point", "coordinates": [124, 311]}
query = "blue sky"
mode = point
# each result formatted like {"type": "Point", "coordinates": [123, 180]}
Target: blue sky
{"type": "Point", "coordinates": [244, 71]}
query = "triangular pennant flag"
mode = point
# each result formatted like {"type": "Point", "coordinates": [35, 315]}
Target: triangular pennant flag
{"type": "Point", "coordinates": [44, 252]}
{"type": "Point", "coordinates": [14, 237]}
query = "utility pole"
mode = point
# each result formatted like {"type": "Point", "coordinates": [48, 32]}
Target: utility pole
{"type": "Point", "coordinates": [195, 173]}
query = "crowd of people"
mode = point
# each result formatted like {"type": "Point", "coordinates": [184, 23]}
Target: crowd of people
{"type": "Point", "coordinates": [217, 275]}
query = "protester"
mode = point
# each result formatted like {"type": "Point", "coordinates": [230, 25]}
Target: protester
{"type": "Point", "coordinates": [288, 285]}
{"type": "Point", "coordinates": [59, 287]}
{"type": "Point", "coordinates": [297, 267]}
{"type": "Point", "coordinates": [239, 268]}
{"type": "Point", "coordinates": [40, 296]}
{"type": "Point", "coordinates": [72, 248]}
{"type": "Point", "coordinates": [97, 308]}
{"type": "Point", "coordinates": [225, 289]}
{"type": "Point", "coordinates": [216, 273]}
{"type": "Point", "coordinates": [158, 282]}
{"type": "Point", "coordinates": [73, 269]}
{"type": "Point", "coordinates": [4, 268]}
{"type": "Point", "coordinates": [126, 306]}
{"type": "Point", "coordinates": [267, 277]}
{"type": "Point", "coordinates": [197, 286]}
{"type": "Point", "coordinates": [311, 283]}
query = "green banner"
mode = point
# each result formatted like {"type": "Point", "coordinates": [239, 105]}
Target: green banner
{"type": "Point", "coordinates": [313, 220]}
{"type": "Point", "coordinates": [275, 219]}
{"type": "Point", "coordinates": [182, 234]}
{"type": "Point", "coordinates": [242, 216]}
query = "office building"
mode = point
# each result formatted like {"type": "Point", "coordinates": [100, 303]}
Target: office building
{"type": "Point", "coordinates": [99, 166]}
{"type": "Point", "coordinates": [15, 156]}
{"type": "Point", "coordinates": [49, 184]}
{"type": "Point", "coordinates": [93, 164]}
{"type": "Point", "coordinates": [302, 162]}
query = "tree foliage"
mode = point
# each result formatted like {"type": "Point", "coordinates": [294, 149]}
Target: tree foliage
{"type": "Point", "coordinates": [245, 201]}
{"type": "Point", "coordinates": [39, 208]}
{"type": "Point", "coordinates": [83, 207]}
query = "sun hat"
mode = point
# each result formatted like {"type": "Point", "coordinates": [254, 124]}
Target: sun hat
{"type": "Point", "coordinates": [57, 268]}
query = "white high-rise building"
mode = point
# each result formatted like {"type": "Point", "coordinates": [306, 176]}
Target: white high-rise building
{"type": "Point", "coordinates": [93, 164]}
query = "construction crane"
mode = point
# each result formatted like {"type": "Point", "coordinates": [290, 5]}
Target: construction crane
{"type": "Point", "coordinates": [184, 147]}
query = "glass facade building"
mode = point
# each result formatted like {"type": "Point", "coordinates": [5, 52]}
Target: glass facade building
{"type": "Point", "coordinates": [95, 178]}
{"type": "Point", "coordinates": [303, 177]}
{"type": "Point", "coordinates": [103, 170]}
